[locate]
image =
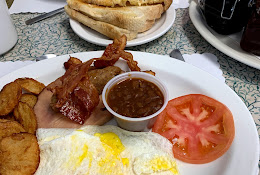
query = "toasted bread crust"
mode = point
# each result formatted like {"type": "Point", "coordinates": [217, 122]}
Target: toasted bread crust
{"type": "Point", "coordinates": [133, 18]}
{"type": "Point", "coordinates": [123, 3]}
{"type": "Point", "coordinates": [106, 29]}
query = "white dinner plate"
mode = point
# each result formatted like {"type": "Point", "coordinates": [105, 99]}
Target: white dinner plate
{"type": "Point", "coordinates": [228, 44]}
{"type": "Point", "coordinates": [160, 27]}
{"type": "Point", "coordinates": [181, 79]}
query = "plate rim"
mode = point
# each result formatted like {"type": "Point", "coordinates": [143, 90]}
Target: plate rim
{"type": "Point", "coordinates": [202, 28]}
{"type": "Point", "coordinates": [170, 16]}
{"type": "Point", "coordinates": [141, 55]}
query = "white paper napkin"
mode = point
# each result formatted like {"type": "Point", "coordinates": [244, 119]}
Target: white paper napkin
{"type": "Point", "coordinates": [41, 6]}
{"type": "Point", "coordinates": [207, 62]}
{"type": "Point", "coordinates": [180, 4]}
{"type": "Point", "coordinates": [33, 6]}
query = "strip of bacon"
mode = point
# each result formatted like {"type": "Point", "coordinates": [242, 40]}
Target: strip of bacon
{"type": "Point", "coordinates": [112, 53]}
{"type": "Point", "coordinates": [130, 61]}
{"type": "Point", "coordinates": [70, 80]}
{"type": "Point", "coordinates": [76, 97]}
{"type": "Point", "coordinates": [48, 118]}
{"type": "Point", "coordinates": [82, 101]}
{"type": "Point", "coordinates": [71, 62]}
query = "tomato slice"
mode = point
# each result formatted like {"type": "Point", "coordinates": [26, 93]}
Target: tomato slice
{"type": "Point", "coordinates": [200, 128]}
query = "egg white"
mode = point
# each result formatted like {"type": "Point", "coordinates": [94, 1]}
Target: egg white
{"type": "Point", "coordinates": [80, 152]}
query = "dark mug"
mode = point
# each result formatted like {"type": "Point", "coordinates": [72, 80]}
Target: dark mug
{"type": "Point", "coordinates": [226, 16]}
{"type": "Point", "coordinates": [250, 40]}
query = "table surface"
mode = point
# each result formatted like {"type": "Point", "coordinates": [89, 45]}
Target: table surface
{"type": "Point", "coordinates": [54, 35]}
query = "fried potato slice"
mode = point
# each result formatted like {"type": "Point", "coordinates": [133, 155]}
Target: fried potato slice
{"type": "Point", "coordinates": [25, 115]}
{"type": "Point", "coordinates": [9, 97]}
{"type": "Point", "coordinates": [8, 117]}
{"type": "Point", "coordinates": [8, 127]}
{"type": "Point", "coordinates": [30, 85]}
{"type": "Point", "coordinates": [19, 154]}
{"type": "Point", "coordinates": [29, 99]}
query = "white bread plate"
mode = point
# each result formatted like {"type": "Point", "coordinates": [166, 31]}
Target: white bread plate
{"type": "Point", "coordinates": [160, 27]}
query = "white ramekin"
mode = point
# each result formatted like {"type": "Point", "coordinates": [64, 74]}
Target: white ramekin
{"type": "Point", "coordinates": [135, 124]}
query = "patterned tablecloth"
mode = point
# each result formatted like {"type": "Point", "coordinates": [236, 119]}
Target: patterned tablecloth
{"type": "Point", "coordinates": [55, 35]}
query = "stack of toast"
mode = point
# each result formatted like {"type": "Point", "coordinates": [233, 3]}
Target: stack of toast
{"type": "Point", "coordinates": [114, 18]}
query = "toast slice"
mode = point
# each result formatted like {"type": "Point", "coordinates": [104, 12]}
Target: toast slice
{"type": "Point", "coordinates": [106, 29]}
{"type": "Point", "coordinates": [133, 18]}
{"type": "Point", "coordinates": [123, 3]}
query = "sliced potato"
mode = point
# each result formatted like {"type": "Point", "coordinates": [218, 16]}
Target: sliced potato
{"type": "Point", "coordinates": [8, 127]}
{"type": "Point", "coordinates": [19, 154]}
{"type": "Point", "coordinates": [25, 115]}
{"type": "Point", "coordinates": [31, 85]}
{"type": "Point", "coordinates": [8, 117]}
{"type": "Point", "coordinates": [9, 97]}
{"type": "Point", "coordinates": [29, 99]}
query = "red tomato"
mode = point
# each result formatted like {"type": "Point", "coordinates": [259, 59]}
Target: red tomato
{"type": "Point", "coordinates": [200, 128]}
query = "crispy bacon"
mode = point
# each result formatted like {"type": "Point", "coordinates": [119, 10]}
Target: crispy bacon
{"type": "Point", "coordinates": [150, 72]}
{"type": "Point", "coordinates": [70, 80]}
{"type": "Point", "coordinates": [112, 53]}
{"type": "Point", "coordinates": [72, 62]}
{"type": "Point", "coordinates": [82, 102]}
{"type": "Point", "coordinates": [48, 118]}
{"type": "Point", "coordinates": [130, 61]}
{"type": "Point", "coordinates": [76, 97]}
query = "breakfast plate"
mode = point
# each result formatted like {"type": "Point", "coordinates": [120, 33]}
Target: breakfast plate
{"type": "Point", "coordinates": [228, 44]}
{"type": "Point", "coordinates": [181, 79]}
{"type": "Point", "coordinates": [160, 27]}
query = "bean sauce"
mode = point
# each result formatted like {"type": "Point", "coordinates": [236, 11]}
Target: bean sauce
{"type": "Point", "coordinates": [135, 97]}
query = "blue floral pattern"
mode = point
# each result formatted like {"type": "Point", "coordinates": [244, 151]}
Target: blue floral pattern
{"type": "Point", "coordinates": [54, 35]}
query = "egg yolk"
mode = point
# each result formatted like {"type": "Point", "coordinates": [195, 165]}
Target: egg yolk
{"type": "Point", "coordinates": [113, 146]}
{"type": "Point", "coordinates": [76, 160]}
{"type": "Point", "coordinates": [161, 164]}
{"type": "Point", "coordinates": [112, 140]}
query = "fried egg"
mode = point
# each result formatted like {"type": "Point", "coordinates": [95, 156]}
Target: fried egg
{"type": "Point", "coordinates": [104, 150]}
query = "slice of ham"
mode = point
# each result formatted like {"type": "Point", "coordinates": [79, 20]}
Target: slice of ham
{"type": "Point", "coordinates": [47, 118]}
